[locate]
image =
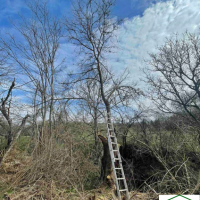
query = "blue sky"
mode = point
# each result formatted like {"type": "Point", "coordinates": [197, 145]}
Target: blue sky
{"type": "Point", "coordinates": [9, 9]}
{"type": "Point", "coordinates": [147, 24]}
{"type": "Point", "coordinates": [131, 8]}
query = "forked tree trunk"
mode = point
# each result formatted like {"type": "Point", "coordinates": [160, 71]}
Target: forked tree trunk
{"type": "Point", "coordinates": [106, 167]}
{"type": "Point", "coordinates": [13, 142]}
{"type": "Point", "coordinates": [107, 174]}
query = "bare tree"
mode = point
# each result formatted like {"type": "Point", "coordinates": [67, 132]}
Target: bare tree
{"type": "Point", "coordinates": [5, 111]}
{"type": "Point", "coordinates": [36, 56]}
{"type": "Point", "coordinates": [92, 29]}
{"type": "Point", "coordinates": [127, 118]}
{"type": "Point", "coordinates": [91, 104]}
{"type": "Point", "coordinates": [6, 114]}
{"type": "Point", "coordinates": [5, 69]}
{"type": "Point", "coordinates": [174, 77]}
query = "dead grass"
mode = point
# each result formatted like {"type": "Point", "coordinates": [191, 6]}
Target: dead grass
{"type": "Point", "coordinates": [62, 171]}
{"type": "Point", "coordinates": [43, 190]}
{"type": "Point", "coordinates": [48, 191]}
{"type": "Point", "coordinates": [14, 184]}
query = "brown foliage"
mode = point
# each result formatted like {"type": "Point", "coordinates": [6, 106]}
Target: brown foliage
{"type": "Point", "coordinates": [62, 160]}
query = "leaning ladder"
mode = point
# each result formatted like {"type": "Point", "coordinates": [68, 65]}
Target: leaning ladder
{"type": "Point", "coordinates": [116, 160]}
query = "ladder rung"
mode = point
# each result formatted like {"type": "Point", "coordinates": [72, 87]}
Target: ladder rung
{"type": "Point", "coordinates": [118, 168]}
{"type": "Point", "coordinates": [113, 143]}
{"type": "Point", "coordinates": [120, 178]}
{"type": "Point", "coordinates": [112, 136]}
{"type": "Point", "coordinates": [115, 150]}
{"type": "Point", "coordinates": [118, 159]}
{"type": "Point", "coordinates": [123, 190]}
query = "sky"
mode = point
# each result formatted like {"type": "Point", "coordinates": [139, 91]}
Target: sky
{"type": "Point", "coordinates": [140, 35]}
{"type": "Point", "coordinates": [145, 26]}
{"type": "Point", "coordinates": [9, 9]}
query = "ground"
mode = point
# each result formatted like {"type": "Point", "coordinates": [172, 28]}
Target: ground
{"type": "Point", "coordinates": [10, 189]}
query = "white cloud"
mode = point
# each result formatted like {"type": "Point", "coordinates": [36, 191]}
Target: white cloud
{"type": "Point", "coordinates": [141, 35]}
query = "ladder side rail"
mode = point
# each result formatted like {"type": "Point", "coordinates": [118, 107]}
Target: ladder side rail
{"type": "Point", "coordinates": [111, 124]}
{"type": "Point", "coordinates": [125, 183]}
{"type": "Point", "coordinates": [112, 127]}
{"type": "Point", "coordinates": [125, 188]}
{"type": "Point", "coordinates": [119, 155]}
{"type": "Point", "coordinates": [111, 132]}
{"type": "Point", "coordinates": [122, 170]}
{"type": "Point", "coordinates": [113, 166]}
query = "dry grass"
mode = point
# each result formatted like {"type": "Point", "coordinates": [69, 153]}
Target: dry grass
{"type": "Point", "coordinates": [62, 170]}
{"type": "Point", "coordinates": [48, 191]}
{"type": "Point", "coordinates": [14, 177]}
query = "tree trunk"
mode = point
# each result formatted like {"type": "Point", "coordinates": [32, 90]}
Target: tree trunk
{"type": "Point", "coordinates": [106, 167]}
{"type": "Point", "coordinates": [107, 174]}
{"type": "Point", "coordinates": [95, 127]}
{"type": "Point", "coordinates": [9, 138]}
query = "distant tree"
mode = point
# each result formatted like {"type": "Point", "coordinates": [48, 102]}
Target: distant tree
{"type": "Point", "coordinates": [127, 117]}
{"type": "Point", "coordinates": [174, 77]}
{"type": "Point", "coordinates": [90, 102]}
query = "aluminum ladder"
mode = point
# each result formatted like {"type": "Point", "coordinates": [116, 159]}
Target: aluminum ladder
{"type": "Point", "coordinates": [116, 160]}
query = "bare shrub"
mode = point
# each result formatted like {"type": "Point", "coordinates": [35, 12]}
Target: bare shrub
{"type": "Point", "coordinates": [168, 163]}
{"type": "Point", "coordinates": [63, 160]}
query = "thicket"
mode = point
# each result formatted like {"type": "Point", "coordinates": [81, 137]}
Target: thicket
{"type": "Point", "coordinates": [164, 159]}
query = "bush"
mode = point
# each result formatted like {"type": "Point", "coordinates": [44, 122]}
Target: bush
{"type": "Point", "coordinates": [63, 160]}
